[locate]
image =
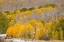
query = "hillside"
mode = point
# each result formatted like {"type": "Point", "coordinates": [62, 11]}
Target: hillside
{"type": "Point", "coordinates": [8, 5]}
{"type": "Point", "coordinates": [31, 20]}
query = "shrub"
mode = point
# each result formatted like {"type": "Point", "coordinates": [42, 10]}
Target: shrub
{"type": "Point", "coordinates": [40, 6]}
{"type": "Point", "coordinates": [6, 12]}
{"type": "Point", "coordinates": [32, 8]}
{"type": "Point", "coordinates": [57, 30]}
{"type": "Point", "coordinates": [23, 9]}
{"type": "Point", "coordinates": [50, 5]}
{"type": "Point", "coordinates": [3, 23]}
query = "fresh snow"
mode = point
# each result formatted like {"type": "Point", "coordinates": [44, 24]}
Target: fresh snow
{"type": "Point", "coordinates": [16, 39]}
{"type": "Point", "coordinates": [2, 35]}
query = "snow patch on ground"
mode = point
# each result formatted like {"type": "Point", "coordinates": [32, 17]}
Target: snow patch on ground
{"type": "Point", "coordinates": [2, 35]}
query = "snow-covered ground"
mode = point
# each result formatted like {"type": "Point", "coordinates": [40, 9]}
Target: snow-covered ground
{"type": "Point", "coordinates": [14, 39]}
{"type": "Point", "coordinates": [23, 40]}
{"type": "Point", "coordinates": [19, 40]}
{"type": "Point", "coordinates": [2, 35]}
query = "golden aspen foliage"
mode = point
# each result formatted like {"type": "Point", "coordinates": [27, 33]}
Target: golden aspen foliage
{"type": "Point", "coordinates": [14, 33]}
{"type": "Point", "coordinates": [21, 30]}
{"type": "Point", "coordinates": [9, 16]}
{"type": "Point", "coordinates": [28, 29]}
{"type": "Point", "coordinates": [18, 12]}
{"type": "Point", "coordinates": [11, 23]}
{"type": "Point", "coordinates": [42, 9]}
{"type": "Point", "coordinates": [33, 22]}
{"type": "Point", "coordinates": [53, 34]}
{"type": "Point", "coordinates": [27, 13]}
{"type": "Point", "coordinates": [61, 34]}
{"type": "Point", "coordinates": [0, 6]}
{"type": "Point", "coordinates": [5, 14]}
{"type": "Point", "coordinates": [50, 8]}
{"type": "Point", "coordinates": [9, 32]}
{"type": "Point", "coordinates": [38, 11]}
{"type": "Point", "coordinates": [37, 35]}
{"type": "Point", "coordinates": [40, 24]}
{"type": "Point", "coordinates": [43, 32]}
{"type": "Point", "coordinates": [48, 25]}
{"type": "Point", "coordinates": [14, 30]}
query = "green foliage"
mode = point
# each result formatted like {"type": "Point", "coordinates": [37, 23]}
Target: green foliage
{"type": "Point", "coordinates": [57, 29]}
{"type": "Point", "coordinates": [29, 35]}
{"type": "Point", "coordinates": [23, 9]}
{"type": "Point", "coordinates": [6, 12]}
{"type": "Point", "coordinates": [15, 11]}
{"type": "Point", "coordinates": [50, 5]}
{"type": "Point", "coordinates": [32, 8]}
{"type": "Point", "coordinates": [26, 9]}
{"type": "Point", "coordinates": [40, 6]}
{"type": "Point", "coordinates": [3, 23]}
{"type": "Point", "coordinates": [42, 21]}
{"type": "Point", "coordinates": [61, 23]}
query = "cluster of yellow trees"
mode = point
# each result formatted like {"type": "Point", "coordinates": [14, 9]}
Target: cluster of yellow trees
{"type": "Point", "coordinates": [34, 28]}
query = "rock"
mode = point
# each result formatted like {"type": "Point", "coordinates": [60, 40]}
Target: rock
{"type": "Point", "coordinates": [9, 40]}
{"type": "Point", "coordinates": [2, 40]}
